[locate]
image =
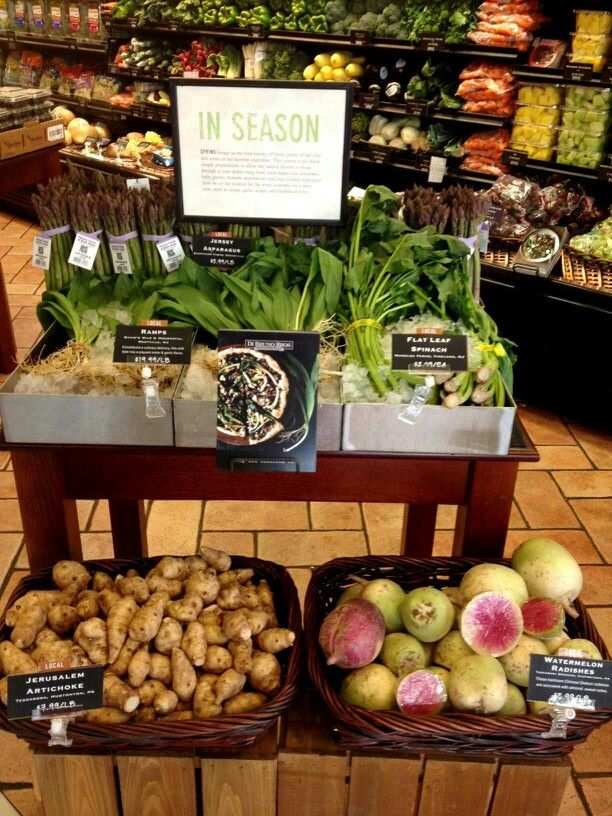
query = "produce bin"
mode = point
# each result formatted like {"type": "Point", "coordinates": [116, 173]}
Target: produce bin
{"type": "Point", "coordinates": [225, 732]}
{"type": "Point", "coordinates": [468, 429]}
{"type": "Point", "coordinates": [74, 419]}
{"type": "Point", "coordinates": [456, 733]}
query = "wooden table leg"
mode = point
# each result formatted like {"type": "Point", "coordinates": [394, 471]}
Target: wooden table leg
{"type": "Point", "coordinates": [129, 527]}
{"type": "Point", "coordinates": [50, 521]}
{"type": "Point", "coordinates": [419, 530]}
{"type": "Point", "coordinates": [8, 352]}
{"type": "Point", "coordinates": [482, 523]}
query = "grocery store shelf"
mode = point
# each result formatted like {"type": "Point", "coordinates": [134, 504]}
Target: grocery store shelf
{"type": "Point", "coordinates": [438, 114]}
{"type": "Point", "coordinates": [555, 76]}
{"type": "Point", "coordinates": [256, 32]}
{"type": "Point", "coordinates": [107, 166]}
{"type": "Point", "coordinates": [134, 73]}
{"type": "Point", "coordinates": [112, 114]}
{"type": "Point", "coordinates": [56, 43]}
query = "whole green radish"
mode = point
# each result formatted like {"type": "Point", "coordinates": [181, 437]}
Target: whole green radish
{"type": "Point", "coordinates": [549, 571]}
{"type": "Point", "coordinates": [386, 595]}
{"type": "Point", "coordinates": [427, 613]}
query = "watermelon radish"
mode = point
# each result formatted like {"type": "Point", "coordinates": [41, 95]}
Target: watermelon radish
{"type": "Point", "coordinates": [491, 624]}
{"type": "Point", "coordinates": [421, 693]}
{"type": "Point", "coordinates": [543, 618]}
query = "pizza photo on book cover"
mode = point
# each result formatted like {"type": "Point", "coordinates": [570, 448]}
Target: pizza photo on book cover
{"type": "Point", "coordinates": [266, 400]}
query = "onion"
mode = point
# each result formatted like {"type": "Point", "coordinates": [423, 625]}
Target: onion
{"type": "Point", "coordinates": [79, 130]}
{"type": "Point", "coordinates": [60, 112]}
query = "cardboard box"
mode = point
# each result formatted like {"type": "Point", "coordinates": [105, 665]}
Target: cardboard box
{"type": "Point", "coordinates": [32, 136]}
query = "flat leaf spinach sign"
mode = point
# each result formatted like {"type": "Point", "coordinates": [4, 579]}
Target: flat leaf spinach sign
{"type": "Point", "coordinates": [262, 152]}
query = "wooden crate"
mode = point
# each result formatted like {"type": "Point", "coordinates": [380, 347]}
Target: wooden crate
{"type": "Point", "coordinates": [306, 773]}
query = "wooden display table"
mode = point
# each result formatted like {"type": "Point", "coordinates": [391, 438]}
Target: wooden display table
{"type": "Point", "coordinates": [21, 171]}
{"type": "Point", "coordinates": [304, 772]}
{"type": "Point", "coordinates": [51, 478]}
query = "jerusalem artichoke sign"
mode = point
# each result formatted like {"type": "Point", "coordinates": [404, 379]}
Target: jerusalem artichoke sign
{"type": "Point", "coordinates": [54, 693]}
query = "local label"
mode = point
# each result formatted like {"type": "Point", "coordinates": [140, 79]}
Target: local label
{"type": "Point", "coordinates": [171, 253]}
{"type": "Point", "coordinates": [437, 169]}
{"type": "Point", "coordinates": [152, 345]}
{"type": "Point", "coordinates": [577, 72]}
{"type": "Point", "coordinates": [121, 259]}
{"type": "Point", "coordinates": [138, 184]}
{"type": "Point", "coordinates": [429, 353]}
{"type": "Point", "coordinates": [41, 252]}
{"type": "Point", "coordinates": [515, 158]}
{"type": "Point", "coordinates": [84, 251]}
{"type": "Point", "coordinates": [56, 692]}
{"type": "Point", "coordinates": [212, 250]}
{"type": "Point", "coordinates": [577, 682]}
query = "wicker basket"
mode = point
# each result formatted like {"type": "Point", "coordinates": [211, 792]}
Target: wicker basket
{"type": "Point", "coordinates": [453, 732]}
{"type": "Point", "coordinates": [586, 270]}
{"type": "Point", "coordinates": [223, 733]}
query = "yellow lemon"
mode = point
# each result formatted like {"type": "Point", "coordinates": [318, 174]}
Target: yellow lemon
{"type": "Point", "coordinates": [310, 71]}
{"type": "Point", "coordinates": [354, 70]}
{"type": "Point", "coordinates": [319, 77]}
{"type": "Point", "coordinates": [339, 75]}
{"type": "Point", "coordinates": [339, 59]}
{"type": "Point", "coordinates": [327, 71]}
{"type": "Point", "coordinates": [321, 60]}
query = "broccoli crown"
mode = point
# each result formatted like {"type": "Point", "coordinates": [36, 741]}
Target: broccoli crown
{"type": "Point", "coordinates": [335, 11]}
{"type": "Point", "coordinates": [392, 13]}
{"type": "Point", "coordinates": [357, 7]}
{"type": "Point", "coordinates": [368, 22]}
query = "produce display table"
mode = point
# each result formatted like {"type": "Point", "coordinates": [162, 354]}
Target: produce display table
{"type": "Point", "coordinates": [17, 172]}
{"type": "Point", "coordinates": [50, 478]}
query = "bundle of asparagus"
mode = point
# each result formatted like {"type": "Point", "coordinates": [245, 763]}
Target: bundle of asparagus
{"type": "Point", "coordinates": [86, 217]}
{"type": "Point", "coordinates": [424, 207]}
{"type": "Point", "coordinates": [121, 225]}
{"type": "Point", "coordinates": [187, 229]}
{"type": "Point", "coordinates": [51, 205]}
{"type": "Point", "coordinates": [467, 212]}
{"type": "Point", "coordinates": [156, 219]}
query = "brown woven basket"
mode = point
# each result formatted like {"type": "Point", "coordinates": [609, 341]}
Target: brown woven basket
{"type": "Point", "coordinates": [358, 727]}
{"type": "Point", "coordinates": [224, 733]}
{"type": "Point", "coordinates": [586, 270]}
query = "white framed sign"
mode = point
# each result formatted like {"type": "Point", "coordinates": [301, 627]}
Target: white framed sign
{"type": "Point", "coordinates": [261, 152]}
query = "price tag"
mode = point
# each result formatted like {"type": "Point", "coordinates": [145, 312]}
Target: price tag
{"type": "Point", "coordinates": [171, 253]}
{"type": "Point", "coordinates": [56, 692]}
{"type": "Point", "coordinates": [437, 169]}
{"type": "Point", "coordinates": [112, 69]}
{"type": "Point", "coordinates": [578, 72]}
{"type": "Point", "coordinates": [431, 43]}
{"type": "Point", "coordinates": [605, 173]}
{"type": "Point", "coordinates": [221, 251]}
{"type": "Point", "coordinates": [258, 31]}
{"type": "Point", "coordinates": [369, 99]}
{"type": "Point", "coordinates": [483, 236]}
{"type": "Point", "coordinates": [138, 184]}
{"type": "Point", "coordinates": [84, 251]}
{"type": "Point", "coordinates": [55, 133]}
{"type": "Point", "coordinates": [414, 108]}
{"type": "Point", "coordinates": [121, 259]}
{"type": "Point", "coordinates": [41, 252]}
{"type": "Point", "coordinates": [515, 158]}
{"type": "Point", "coordinates": [526, 269]}
{"type": "Point", "coordinates": [191, 74]}
{"type": "Point", "coordinates": [422, 162]}
{"type": "Point", "coordinates": [576, 682]}
{"type": "Point", "coordinates": [173, 26]}
{"type": "Point", "coordinates": [152, 345]}
{"type": "Point", "coordinates": [606, 74]}
{"type": "Point", "coordinates": [380, 154]}
{"type": "Point", "coordinates": [429, 353]}
{"type": "Point", "coordinates": [360, 36]}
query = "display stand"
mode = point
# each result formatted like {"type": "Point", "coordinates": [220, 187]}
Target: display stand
{"type": "Point", "coordinates": [50, 478]}
{"type": "Point", "coordinates": [303, 772]}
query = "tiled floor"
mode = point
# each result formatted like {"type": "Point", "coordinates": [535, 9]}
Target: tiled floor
{"type": "Point", "coordinates": [567, 496]}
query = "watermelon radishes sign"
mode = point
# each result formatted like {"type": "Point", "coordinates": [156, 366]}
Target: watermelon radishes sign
{"type": "Point", "coordinates": [575, 682]}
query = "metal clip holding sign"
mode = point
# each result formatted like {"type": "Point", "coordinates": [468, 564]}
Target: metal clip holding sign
{"type": "Point", "coordinates": [150, 387]}
{"type": "Point", "coordinates": [412, 410]}
{"type": "Point", "coordinates": [562, 709]}
{"type": "Point", "coordinates": [58, 728]}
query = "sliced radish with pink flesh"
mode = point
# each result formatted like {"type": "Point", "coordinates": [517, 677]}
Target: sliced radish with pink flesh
{"type": "Point", "coordinates": [491, 624]}
{"type": "Point", "coordinates": [421, 693]}
{"type": "Point", "coordinates": [543, 618]}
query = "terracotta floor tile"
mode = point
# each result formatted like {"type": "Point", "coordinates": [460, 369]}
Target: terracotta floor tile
{"type": "Point", "coordinates": [24, 801]}
{"type": "Point", "coordinates": [602, 618]}
{"type": "Point", "coordinates": [571, 804]}
{"type": "Point", "coordinates": [443, 543]}
{"type": "Point", "coordinates": [597, 588]}
{"type": "Point", "coordinates": [14, 230]}
{"type": "Point", "coordinates": [335, 516]}
{"type": "Point", "coordinates": [558, 457]}
{"type": "Point", "coordinates": [541, 502]}
{"type": "Point", "coordinates": [100, 520]}
{"type": "Point", "coordinates": [16, 299]}
{"type": "Point", "coordinates": [29, 274]}
{"type": "Point", "coordinates": [384, 523]}
{"type": "Point", "coordinates": [10, 585]}
{"type": "Point", "coordinates": [301, 579]}
{"type": "Point", "coordinates": [265, 515]}
{"type": "Point", "coordinates": [22, 248]}
{"type": "Point", "coordinates": [545, 428]}
{"type": "Point", "coordinates": [28, 311]}
{"type": "Point", "coordinates": [97, 545]}
{"type": "Point", "coordinates": [7, 485]}
{"type": "Point", "coordinates": [11, 264]}
{"type": "Point", "coordinates": [310, 548]}
{"type": "Point", "coordinates": [173, 527]}
{"type": "Point", "coordinates": [9, 547]}
{"type": "Point", "coordinates": [4, 458]}
{"type": "Point", "coordinates": [26, 331]}
{"type": "Point", "coordinates": [598, 793]}
{"type": "Point", "coordinates": [576, 541]}
{"type": "Point", "coordinates": [10, 519]}
{"type": "Point", "coordinates": [578, 484]}
{"type": "Point", "coordinates": [597, 446]}
{"type": "Point", "coordinates": [232, 543]}
{"type": "Point", "coordinates": [594, 755]}
{"type": "Point", "coordinates": [21, 288]}
{"type": "Point", "coordinates": [596, 515]}
{"type": "Point", "coordinates": [16, 762]}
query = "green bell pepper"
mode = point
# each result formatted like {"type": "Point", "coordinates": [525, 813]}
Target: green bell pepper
{"type": "Point", "coordinates": [227, 15]}
{"type": "Point", "coordinates": [260, 15]}
{"type": "Point", "coordinates": [209, 18]}
{"type": "Point", "coordinates": [299, 8]}
{"type": "Point", "coordinates": [291, 22]}
{"type": "Point", "coordinates": [277, 23]}
{"type": "Point", "coordinates": [318, 24]}
{"type": "Point", "coordinates": [243, 19]}
{"type": "Point", "coordinates": [303, 22]}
